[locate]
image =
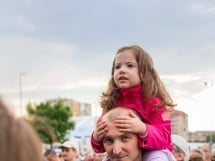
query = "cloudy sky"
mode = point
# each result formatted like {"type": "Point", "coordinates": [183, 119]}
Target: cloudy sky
{"type": "Point", "coordinates": [66, 47]}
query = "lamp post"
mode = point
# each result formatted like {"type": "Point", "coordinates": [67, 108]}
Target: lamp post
{"type": "Point", "coordinates": [209, 84]}
{"type": "Point", "coordinates": [20, 91]}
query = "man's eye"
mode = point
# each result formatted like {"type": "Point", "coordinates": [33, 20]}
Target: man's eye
{"type": "Point", "coordinates": [125, 138]}
{"type": "Point", "coordinates": [107, 141]}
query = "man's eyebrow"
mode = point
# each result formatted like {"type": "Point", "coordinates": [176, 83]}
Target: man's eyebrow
{"type": "Point", "coordinates": [107, 136]}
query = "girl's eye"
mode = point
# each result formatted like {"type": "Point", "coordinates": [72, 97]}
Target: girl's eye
{"type": "Point", "coordinates": [130, 65]}
{"type": "Point", "coordinates": [117, 66]}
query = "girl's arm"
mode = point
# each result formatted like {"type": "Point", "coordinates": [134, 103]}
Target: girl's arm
{"type": "Point", "coordinates": [97, 136]}
{"type": "Point", "coordinates": [97, 146]}
{"type": "Point", "coordinates": [158, 123]}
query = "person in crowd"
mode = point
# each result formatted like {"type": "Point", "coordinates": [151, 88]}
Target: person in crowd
{"type": "Point", "coordinates": [51, 155]}
{"type": "Point", "coordinates": [207, 151]}
{"type": "Point", "coordinates": [88, 157]}
{"type": "Point", "coordinates": [135, 84]}
{"type": "Point", "coordinates": [98, 156]}
{"type": "Point", "coordinates": [70, 151]}
{"type": "Point", "coordinates": [197, 155]}
{"type": "Point", "coordinates": [60, 156]}
{"type": "Point", "coordinates": [18, 140]}
{"type": "Point", "coordinates": [124, 146]}
{"type": "Point", "coordinates": [181, 149]}
{"type": "Point", "coordinates": [213, 155]}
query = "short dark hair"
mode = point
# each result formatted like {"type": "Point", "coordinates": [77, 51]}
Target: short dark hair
{"type": "Point", "coordinates": [49, 152]}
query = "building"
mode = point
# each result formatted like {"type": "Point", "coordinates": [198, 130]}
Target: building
{"type": "Point", "coordinates": [200, 136]}
{"type": "Point", "coordinates": [180, 123]}
{"type": "Point", "coordinates": [76, 108]}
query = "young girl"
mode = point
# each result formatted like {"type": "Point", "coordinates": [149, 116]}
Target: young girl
{"type": "Point", "coordinates": [135, 84]}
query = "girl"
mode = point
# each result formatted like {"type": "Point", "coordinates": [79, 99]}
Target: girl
{"type": "Point", "coordinates": [135, 84]}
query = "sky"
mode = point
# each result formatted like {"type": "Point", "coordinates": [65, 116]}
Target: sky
{"type": "Point", "coordinates": [65, 49]}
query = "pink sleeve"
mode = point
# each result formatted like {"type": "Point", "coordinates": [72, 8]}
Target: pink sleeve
{"type": "Point", "coordinates": [97, 146]}
{"type": "Point", "coordinates": [158, 124]}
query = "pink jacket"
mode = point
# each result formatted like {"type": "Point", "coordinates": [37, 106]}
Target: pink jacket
{"type": "Point", "coordinates": [157, 120]}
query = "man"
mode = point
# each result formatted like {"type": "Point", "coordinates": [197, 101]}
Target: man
{"type": "Point", "coordinates": [51, 155]}
{"type": "Point", "coordinates": [123, 146]}
{"type": "Point", "coordinates": [197, 154]}
{"type": "Point", "coordinates": [69, 151]}
{"type": "Point", "coordinates": [181, 149]}
{"type": "Point", "coordinates": [213, 155]}
{"type": "Point", "coordinates": [207, 151]}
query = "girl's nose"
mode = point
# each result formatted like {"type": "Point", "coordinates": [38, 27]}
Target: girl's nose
{"type": "Point", "coordinates": [122, 70]}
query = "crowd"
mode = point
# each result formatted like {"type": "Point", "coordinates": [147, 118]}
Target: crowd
{"type": "Point", "coordinates": [182, 151]}
{"type": "Point", "coordinates": [120, 145]}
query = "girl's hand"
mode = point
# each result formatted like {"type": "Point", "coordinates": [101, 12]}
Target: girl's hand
{"type": "Point", "coordinates": [131, 123]}
{"type": "Point", "coordinates": [100, 130]}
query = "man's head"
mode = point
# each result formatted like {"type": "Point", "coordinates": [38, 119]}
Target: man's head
{"type": "Point", "coordinates": [197, 154]}
{"type": "Point", "coordinates": [181, 149]}
{"type": "Point", "coordinates": [51, 155]}
{"type": "Point", "coordinates": [119, 145]}
{"type": "Point", "coordinates": [69, 151]}
{"type": "Point", "coordinates": [207, 151]}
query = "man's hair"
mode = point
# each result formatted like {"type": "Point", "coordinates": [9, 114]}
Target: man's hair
{"type": "Point", "coordinates": [49, 152]}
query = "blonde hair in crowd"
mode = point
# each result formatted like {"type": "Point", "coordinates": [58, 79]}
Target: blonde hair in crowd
{"type": "Point", "coordinates": [152, 84]}
{"type": "Point", "coordinates": [18, 140]}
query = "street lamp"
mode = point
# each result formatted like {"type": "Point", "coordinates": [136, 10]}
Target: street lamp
{"type": "Point", "coordinates": [209, 84]}
{"type": "Point", "coordinates": [20, 91]}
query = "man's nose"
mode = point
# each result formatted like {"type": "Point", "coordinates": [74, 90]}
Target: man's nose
{"type": "Point", "coordinates": [117, 148]}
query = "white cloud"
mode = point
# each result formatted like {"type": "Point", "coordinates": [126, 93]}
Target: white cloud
{"type": "Point", "coordinates": [204, 8]}
{"type": "Point", "coordinates": [67, 49]}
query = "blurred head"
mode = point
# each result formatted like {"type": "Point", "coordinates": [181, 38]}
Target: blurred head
{"type": "Point", "coordinates": [207, 151]}
{"type": "Point", "coordinates": [213, 155]}
{"type": "Point", "coordinates": [51, 155]}
{"type": "Point", "coordinates": [119, 145]}
{"type": "Point", "coordinates": [69, 151]}
{"type": "Point", "coordinates": [98, 156]}
{"type": "Point", "coordinates": [196, 155]}
{"type": "Point", "coordinates": [18, 139]}
{"type": "Point", "coordinates": [181, 149]}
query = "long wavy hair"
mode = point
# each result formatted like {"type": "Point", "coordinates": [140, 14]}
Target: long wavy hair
{"type": "Point", "coordinates": [150, 80]}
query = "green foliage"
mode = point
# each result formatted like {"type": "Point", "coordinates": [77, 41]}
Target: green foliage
{"type": "Point", "coordinates": [210, 137]}
{"type": "Point", "coordinates": [51, 120]}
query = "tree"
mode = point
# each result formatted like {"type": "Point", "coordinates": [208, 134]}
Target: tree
{"type": "Point", "coordinates": [51, 121]}
{"type": "Point", "coordinates": [210, 137]}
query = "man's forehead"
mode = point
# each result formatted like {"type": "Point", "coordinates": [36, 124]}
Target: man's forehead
{"type": "Point", "coordinates": [115, 112]}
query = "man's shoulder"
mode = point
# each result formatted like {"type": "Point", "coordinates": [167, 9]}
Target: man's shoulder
{"type": "Point", "coordinates": [157, 155]}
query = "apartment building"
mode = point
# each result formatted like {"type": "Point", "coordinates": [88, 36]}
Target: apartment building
{"type": "Point", "coordinates": [180, 123]}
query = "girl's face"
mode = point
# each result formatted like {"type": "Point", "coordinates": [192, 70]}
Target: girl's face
{"type": "Point", "coordinates": [126, 73]}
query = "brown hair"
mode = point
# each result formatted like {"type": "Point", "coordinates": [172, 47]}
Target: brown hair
{"type": "Point", "coordinates": [152, 84]}
{"type": "Point", "coordinates": [18, 140]}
